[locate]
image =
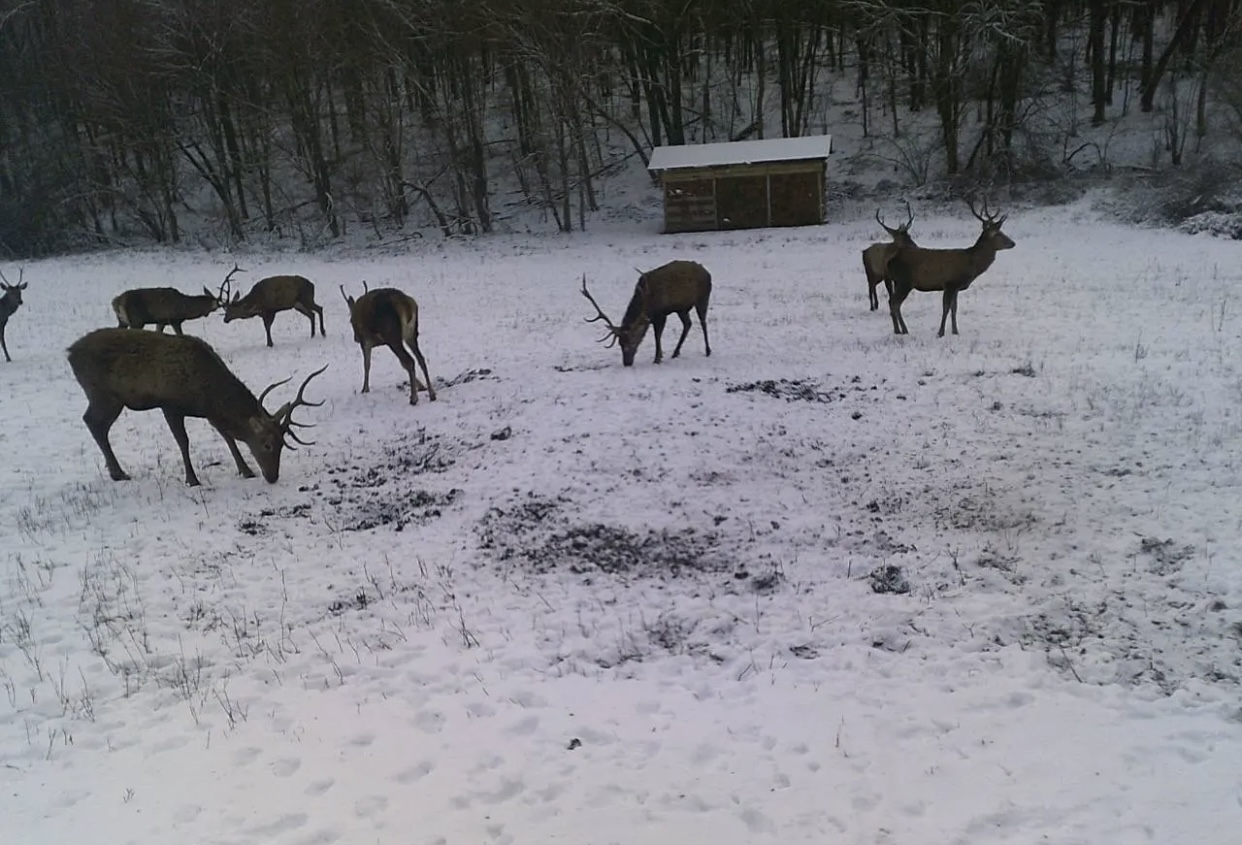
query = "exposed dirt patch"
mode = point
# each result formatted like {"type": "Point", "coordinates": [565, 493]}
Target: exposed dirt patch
{"type": "Point", "coordinates": [542, 535]}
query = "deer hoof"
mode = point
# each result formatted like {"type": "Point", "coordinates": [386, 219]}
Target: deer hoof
{"type": "Point", "coordinates": [119, 476]}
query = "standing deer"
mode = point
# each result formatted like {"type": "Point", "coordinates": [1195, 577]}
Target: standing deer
{"type": "Point", "coordinates": [388, 317]}
{"type": "Point", "coordinates": [272, 295]}
{"type": "Point", "coordinates": [183, 377]}
{"type": "Point", "coordinates": [167, 306]}
{"type": "Point", "coordinates": [876, 257]}
{"type": "Point", "coordinates": [673, 288]}
{"type": "Point", "coordinates": [9, 303]}
{"type": "Point", "coordinates": [948, 270]}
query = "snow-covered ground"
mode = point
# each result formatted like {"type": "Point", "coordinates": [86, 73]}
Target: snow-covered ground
{"type": "Point", "coordinates": [828, 585]}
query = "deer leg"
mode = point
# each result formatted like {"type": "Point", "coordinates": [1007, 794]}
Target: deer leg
{"type": "Point", "coordinates": [4, 345]}
{"type": "Point", "coordinates": [898, 296]}
{"type": "Point", "coordinates": [177, 329]}
{"type": "Point", "coordinates": [268, 318]}
{"type": "Point", "coordinates": [242, 466]}
{"type": "Point", "coordinates": [309, 314]}
{"type": "Point", "coordinates": [685, 330]}
{"type": "Point", "coordinates": [176, 422]}
{"type": "Point", "coordinates": [948, 307]}
{"type": "Point", "coordinates": [366, 368]}
{"type": "Point", "coordinates": [159, 327]}
{"type": "Point", "coordinates": [407, 363]}
{"type": "Point", "coordinates": [701, 309]}
{"type": "Point", "coordinates": [99, 418]}
{"type": "Point", "coordinates": [872, 283]}
{"type": "Point", "coordinates": [319, 311]}
{"type": "Point", "coordinates": [657, 326]}
{"type": "Point", "coordinates": [422, 362]}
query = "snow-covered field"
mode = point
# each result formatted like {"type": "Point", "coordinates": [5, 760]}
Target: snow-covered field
{"type": "Point", "coordinates": [828, 585]}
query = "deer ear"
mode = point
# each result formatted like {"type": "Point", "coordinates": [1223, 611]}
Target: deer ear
{"type": "Point", "coordinates": [237, 296]}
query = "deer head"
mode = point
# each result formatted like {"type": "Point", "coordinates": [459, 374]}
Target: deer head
{"type": "Point", "coordinates": [629, 334]}
{"type": "Point", "coordinates": [901, 234]}
{"type": "Point", "coordinates": [13, 292]}
{"type": "Point", "coordinates": [991, 237]}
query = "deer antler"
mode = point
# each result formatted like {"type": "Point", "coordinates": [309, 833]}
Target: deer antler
{"type": "Point", "coordinates": [285, 414]}
{"type": "Point", "coordinates": [613, 331]}
{"type": "Point", "coordinates": [987, 219]}
{"type": "Point", "coordinates": [226, 287]}
{"type": "Point", "coordinates": [904, 227]}
{"type": "Point", "coordinates": [348, 299]}
{"type": "Point", "coordinates": [272, 387]}
{"type": "Point", "coordinates": [21, 274]}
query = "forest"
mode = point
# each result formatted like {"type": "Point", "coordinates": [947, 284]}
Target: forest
{"type": "Point", "coordinates": [225, 121]}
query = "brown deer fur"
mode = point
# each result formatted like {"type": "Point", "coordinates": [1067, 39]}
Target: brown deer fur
{"type": "Point", "coordinates": [674, 288]}
{"type": "Point", "coordinates": [947, 270]}
{"type": "Point", "coordinates": [161, 306]}
{"type": "Point", "coordinates": [388, 317]}
{"type": "Point", "coordinates": [183, 377]}
{"type": "Point", "coordinates": [272, 295]}
{"type": "Point", "coordinates": [876, 257]}
{"type": "Point", "coordinates": [9, 303]}
{"type": "Point", "coordinates": [137, 308]}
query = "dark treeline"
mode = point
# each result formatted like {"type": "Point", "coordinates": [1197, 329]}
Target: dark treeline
{"type": "Point", "coordinates": [125, 120]}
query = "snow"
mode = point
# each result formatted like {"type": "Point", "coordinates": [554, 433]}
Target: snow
{"type": "Point", "coordinates": [740, 152]}
{"type": "Point", "coordinates": [576, 602]}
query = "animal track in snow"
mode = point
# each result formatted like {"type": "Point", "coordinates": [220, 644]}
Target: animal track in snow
{"type": "Point", "coordinates": [365, 808]}
{"type": "Point", "coordinates": [524, 726]}
{"type": "Point", "coordinates": [429, 721]}
{"type": "Point", "coordinates": [319, 787]}
{"type": "Point", "coordinates": [414, 773]}
{"type": "Point", "coordinates": [286, 766]}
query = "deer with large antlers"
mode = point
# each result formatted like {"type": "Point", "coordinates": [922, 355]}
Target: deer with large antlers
{"type": "Point", "coordinates": [272, 295]}
{"type": "Point", "coordinates": [183, 377]}
{"type": "Point", "coordinates": [388, 317]}
{"type": "Point", "coordinates": [947, 270]}
{"type": "Point", "coordinates": [674, 288]}
{"type": "Point", "coordinates": [137, 308]}
{"type": "Point", "coordinates": [876, 257]}
{"type": "Point", "coordinates": [9, 303]}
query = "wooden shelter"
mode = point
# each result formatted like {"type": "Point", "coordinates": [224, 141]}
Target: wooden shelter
{"type": "Point", "coordinates": [743, 184]}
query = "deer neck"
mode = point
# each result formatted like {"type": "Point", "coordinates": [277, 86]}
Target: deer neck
{"type": "Point", "coordinates": [981, 257]}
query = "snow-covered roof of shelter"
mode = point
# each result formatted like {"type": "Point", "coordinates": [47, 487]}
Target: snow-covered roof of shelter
{"type": "Point", "coordinates": [740, 152]}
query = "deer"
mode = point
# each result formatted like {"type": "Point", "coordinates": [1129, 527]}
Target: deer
{"type": "Point", "coordinates": [388, 317]}
{"type": "Point", "coordinates": [876, 257]}
{"type": "Point", "coordinates": [9, 303]}
{"type": "Point", "coordinates": [949, 270]}
{"type": "Point", "coordinates": [183, 377]}
{"type": "Point", "coordinates": [272, 295]}
{"type": "Point", "coordinates": [136, 308]}
{"type": "Point", "coordinates": [673, 288]}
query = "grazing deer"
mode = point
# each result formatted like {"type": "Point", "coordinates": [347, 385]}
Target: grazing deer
{"type": "Point", "coordinates": [388, 317]}
{"type": "Point", "coordinates": [9, 303]}
{"type": "Point", "coordinates": [272, 295]}
{"type": "Point", "coordinates": [166, 306]}
{"type": "Point", "coordinates": [876, 257]}
{"type": "Point", "coordinates": [183, 377]}
{"type": "Point", "coordinates": [674, 288]}
{"type": "Point", "coordinates": [948, 270]}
